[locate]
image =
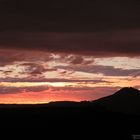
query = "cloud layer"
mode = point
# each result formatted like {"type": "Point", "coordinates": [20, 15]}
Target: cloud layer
{"type": "Point", "coordinates": [105, 70]}
{"type": "Point", "coordinates": [72, 15]}
{"type": "Point", "coordinates": [52, 47]}
{"type": "Point", "coordinates": [100, 28]}
{"type": "Point", "coordinates": [101, 44]}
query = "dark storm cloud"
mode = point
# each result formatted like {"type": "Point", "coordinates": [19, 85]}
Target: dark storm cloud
{"type": "Point", "coordinates": [76, 59]}
{"type": "Point", "coordinates": [107, 43]}
{"type": "Point", "coordinates": [6, 59]}
{"type": "Point", "coordinates": [74, 15]}
{"type": "Point", "coordinates": [35, 69]}
{"type": "Point", "coordinates": [9, 57]}
{"type": "Point", "coordinates": [101, 28]}
{"type": "Point", "coordinates": [105, 70]}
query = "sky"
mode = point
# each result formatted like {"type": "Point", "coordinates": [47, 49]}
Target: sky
{"type": "Point", "coordinates": [67, 50]}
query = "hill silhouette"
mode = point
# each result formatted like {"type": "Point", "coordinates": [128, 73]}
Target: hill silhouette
{"type": "Point", "coordinates": [119, 110]}
{"type": "Point", "coordinates": [126, 100]}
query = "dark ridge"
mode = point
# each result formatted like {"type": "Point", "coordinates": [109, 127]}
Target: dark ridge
{"type": "Point", "coordinates": [104, 116]}
{"type": "Point", "coordinates": [128, 90]}
{"type": "Point", "coordinates": [126, 100]}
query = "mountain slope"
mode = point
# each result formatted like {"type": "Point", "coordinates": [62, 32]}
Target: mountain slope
{"type": "Point", "coordinates": [126, 100]}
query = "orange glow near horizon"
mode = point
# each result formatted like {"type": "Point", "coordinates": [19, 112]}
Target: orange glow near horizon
{"type": "Point", "coordinates": [60, 91]}
{"type": "Point", "coordinates": [37, 98]}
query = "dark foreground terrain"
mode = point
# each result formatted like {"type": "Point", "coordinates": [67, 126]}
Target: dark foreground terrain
{"type": "Point", "coordinates": [113, 116]}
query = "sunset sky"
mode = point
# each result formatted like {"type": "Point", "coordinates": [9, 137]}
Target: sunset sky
{"type": "Point", "coordinates": [57, 50]}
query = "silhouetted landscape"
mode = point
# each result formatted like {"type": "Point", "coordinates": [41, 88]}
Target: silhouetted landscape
{"type": "Point", "coordinates": [70, 66]}
{"type": "Point", "coordinates": [121, 109]}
